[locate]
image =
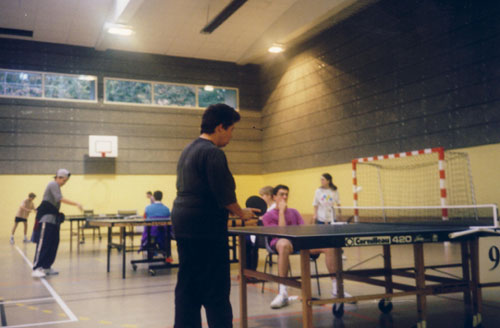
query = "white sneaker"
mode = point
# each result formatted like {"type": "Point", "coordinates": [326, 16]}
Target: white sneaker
{"type": "Point", "coordinates": [50, 272]}
{"type": "Point", "coordinates": [26, 240]}
{"type": "Point", "coordinates": [334, 292]}
{"type": "Point", "coordinates": [12, 240]}
{"type": "Point", "coordinates": [279, 302]}
{"type": "Point", "coordinates": [38, 273]}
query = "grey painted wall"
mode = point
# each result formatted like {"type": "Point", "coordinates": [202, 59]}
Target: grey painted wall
{"type": "Point", "coordinates": [37, 137]}
{"type": "Point", "coordinates": [401, 75]}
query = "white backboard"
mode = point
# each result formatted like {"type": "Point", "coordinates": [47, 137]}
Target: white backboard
{"type": "Point", "coordinates": [103, 146]}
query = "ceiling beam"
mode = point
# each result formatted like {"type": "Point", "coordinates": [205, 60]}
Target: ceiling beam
{"type": "Point", "coordinates": [222, 16]}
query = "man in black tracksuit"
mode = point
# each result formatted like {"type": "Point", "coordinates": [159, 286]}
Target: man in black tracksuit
{"type": "Point", "coordinates": [48, 220]}
{"type": "Point", "coordinates": [205, 196]}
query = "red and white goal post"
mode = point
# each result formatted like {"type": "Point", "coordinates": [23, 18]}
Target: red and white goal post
{"type": "Point", "coordinates": [413, 180]}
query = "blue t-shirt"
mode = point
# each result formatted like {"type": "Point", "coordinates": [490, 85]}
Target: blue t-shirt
{"type": "Point", "coordinates": [157, 210]}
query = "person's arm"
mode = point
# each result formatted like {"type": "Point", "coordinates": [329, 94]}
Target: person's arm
{"type": "Point", "coordinates": [315, 215]}
{"type": "Point", "coordinates": [242, 213]}
{"type": "Point", "coordinates": [281, 216]}
{"type": "Point", "coordinates": [70, 202]}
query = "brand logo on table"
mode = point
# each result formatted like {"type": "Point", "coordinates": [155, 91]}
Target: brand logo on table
{"type": "Point", "coordinates": [367, 241]}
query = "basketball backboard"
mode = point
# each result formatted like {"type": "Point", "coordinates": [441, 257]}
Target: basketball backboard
{"type": "Point", "coordinates": [103, 146]}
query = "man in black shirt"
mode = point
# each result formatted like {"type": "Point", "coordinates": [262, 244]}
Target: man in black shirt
{"type": "Point", "coordinates": [205, 197]}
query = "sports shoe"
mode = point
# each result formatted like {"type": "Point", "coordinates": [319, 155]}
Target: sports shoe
{"type": "Point", "coordinates": [26, 240]}
{"type": "Point", "coordinates": [12, 240]}
{"type": "Point", "coordinates": [346, 294]}
{"type": "Point", "coordinates": [50, 272]}
{"type": "Point", "coordinates": [169, 259]}
{"type": "Point", "coordinates": [38, 273]}
{"type": "Point", "coordinates": [279, 302]}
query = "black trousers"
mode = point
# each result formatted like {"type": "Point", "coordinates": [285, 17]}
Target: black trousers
{"type": "Point", "coordinates": [203, 280]}
{"type": "Point", "coordinates": [46, 248]}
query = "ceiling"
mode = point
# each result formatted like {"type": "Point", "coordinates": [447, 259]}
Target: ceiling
{"type": "Point", "coordinates": [172, 27]}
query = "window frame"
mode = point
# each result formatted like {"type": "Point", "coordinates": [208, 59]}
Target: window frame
{"type": "Point", "coordinates": [43, 97]}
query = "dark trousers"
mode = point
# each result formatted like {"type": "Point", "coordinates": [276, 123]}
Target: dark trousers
{"type": "Point", "coordinates": [46, 248]}
{"type": "Point", "coordinates": [203, 280]}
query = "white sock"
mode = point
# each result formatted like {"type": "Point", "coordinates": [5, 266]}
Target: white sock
{"type": "Point", "coordinates": [334, 286]}
{"type": "Point", "coordinates": [283, 290]}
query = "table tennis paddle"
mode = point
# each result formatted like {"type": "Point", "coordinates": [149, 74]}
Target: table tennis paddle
{"type": "Point", "coordinates": [257, 202]}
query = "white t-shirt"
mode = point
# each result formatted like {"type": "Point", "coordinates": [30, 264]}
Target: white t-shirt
{"type": "Point", "coordinates": [325, 199]}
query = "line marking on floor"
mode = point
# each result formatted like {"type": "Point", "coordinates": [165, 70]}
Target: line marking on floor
{"type": "Point", "coordinates": [72, 317]}
{"type": "Point", "coordinates": [31, 300]}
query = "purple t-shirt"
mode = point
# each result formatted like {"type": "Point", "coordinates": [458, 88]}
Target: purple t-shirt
{"type": "Point", "coordinates": [271, 218]}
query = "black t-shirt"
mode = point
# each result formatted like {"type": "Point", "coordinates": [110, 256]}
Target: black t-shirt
{"type": "Point", "coordinates": [205, 186]}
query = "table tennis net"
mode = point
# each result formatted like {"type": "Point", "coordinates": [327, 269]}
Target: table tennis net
{"type": "Point", "coordinates": [482, 214]}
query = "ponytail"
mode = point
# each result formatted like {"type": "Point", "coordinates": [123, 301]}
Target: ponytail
{"type": "Point", "coordinates": [328, 178]}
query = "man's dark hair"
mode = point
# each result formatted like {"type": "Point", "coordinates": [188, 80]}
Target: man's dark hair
{"type": "Point", "coordinates": [158, 195]}
{"type": "Point", "coordinates": [218, 114]}
{"type": "Point", "coordinates": [32, 195]}
{"type": "Point", "coordinates": [149, 193]}
{"type": "Point", "coordinates": [278, 187]}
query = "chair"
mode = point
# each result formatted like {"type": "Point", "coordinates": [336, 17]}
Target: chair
{"type": "Point", "coordinates": [89, 214]}
{"type": "Point", "coordinates": [269, 261]}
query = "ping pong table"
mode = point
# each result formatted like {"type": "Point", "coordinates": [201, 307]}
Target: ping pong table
{"type": "Point", "coordinates": [387, 235]}
{"type": "Point", "coordinates": [123, 224]}
{"type": "Point", "coordinates": [81, 220]}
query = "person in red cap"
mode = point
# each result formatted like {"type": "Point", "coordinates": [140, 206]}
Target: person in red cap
{"type": "Point", "coordinates": [48, 221]}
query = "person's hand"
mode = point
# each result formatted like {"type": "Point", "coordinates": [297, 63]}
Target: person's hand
{"type": "Point", "coordinates": [315, 216]}
{"type": "Point", "coordinates": [282, 206]}
{"type": "Point", "coordinates": [249, 213]}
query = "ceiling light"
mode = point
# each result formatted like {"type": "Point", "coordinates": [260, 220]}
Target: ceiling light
{"type": "Point", "coordinates": [119, 29]}
{"type": "Point", "coordinates": [209, 88]}
{"type": "Point", "coordinates": [276, 48]}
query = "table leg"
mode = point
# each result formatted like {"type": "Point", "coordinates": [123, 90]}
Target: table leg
{"type": "Point", "coordinates": [418, 253]}
{"type": "Point", "coordinates": [477, 303]}
{"type": "Point", "coordinates": [78, 235]}
{"type": "Point", "coordinates": [109, 246]}
{"type": "Point", "coordinates": [124, 251]}
{"type": "Point", "coordinates": [305, 274]}
{"type": "Point", "coordinates": [388, 269]}
{"type": "Point", "coordinates": [70, 235]}
{"type": "Point", "coordinates": [243, 282]}
{"type": "Point", "coordinates": [466, 273]}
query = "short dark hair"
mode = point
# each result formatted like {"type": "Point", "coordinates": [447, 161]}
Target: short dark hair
{"type": "Point", "coordinates": [158, 195]}
{"type": "Point", "coordinates": [32, 195]}
{"type": "Point", "coordinates": [278, 187]}
{"type": "Point", "coordinates": [149, 193]}
{"type": "Point", "coordinates": [218, 114]}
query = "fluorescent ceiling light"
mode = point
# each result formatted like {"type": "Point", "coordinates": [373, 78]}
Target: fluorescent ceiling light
{"type": "Point", "coordinates": [276, 48]}
{"type": "Point", "coordinates": [209, 88]}
{"type": "Point", "coordinates": [119, 29]}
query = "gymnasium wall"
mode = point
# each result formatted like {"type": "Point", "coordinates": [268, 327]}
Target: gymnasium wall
{"type": "Point", "coordinates": [37, 137]}
{"type": "Point", "coordinates": [398, 76]}
{"type": "Point", "coordinates": [102, 193]}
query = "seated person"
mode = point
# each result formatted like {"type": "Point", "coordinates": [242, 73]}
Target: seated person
{"type": "Point", "coordinates": [282, 215]}
{"type": "Point", "coordinates": [267, 194]}
{"type": "Point", "coordinates": [161, 234]}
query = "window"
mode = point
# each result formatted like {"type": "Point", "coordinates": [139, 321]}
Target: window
{"type": "Point", "coordinates": [126, 91]}
{"type": "Point", "coordinates": [71, 87]}
{"type": "Point", "coordinates": [218, 95]}
{"type": "Point", "coordinates": [25, 84]}
{"type": "Point", "coordinates": [175, 95]}
{"type": "Point", "coordinates": [20, 84]}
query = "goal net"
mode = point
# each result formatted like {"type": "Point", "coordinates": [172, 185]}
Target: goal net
{"type": "Point", "coordinates": [429, 177]}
